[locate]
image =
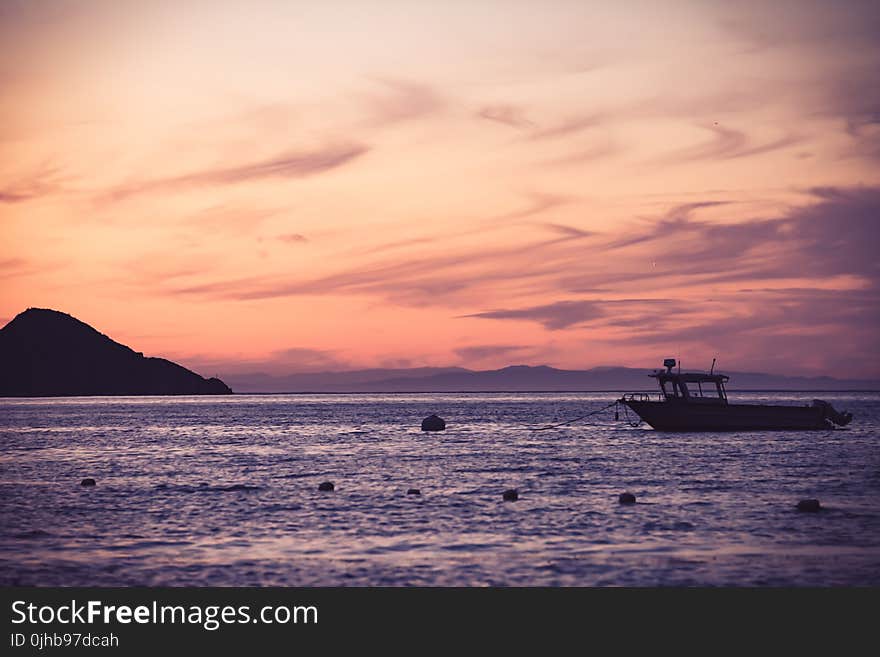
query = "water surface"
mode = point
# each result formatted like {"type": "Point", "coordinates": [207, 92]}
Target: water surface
{"type": "Point", "coordinates": [222, 491]}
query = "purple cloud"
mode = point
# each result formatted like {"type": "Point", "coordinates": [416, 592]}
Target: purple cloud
{"type": "Point", "coordinates": [553, 316]}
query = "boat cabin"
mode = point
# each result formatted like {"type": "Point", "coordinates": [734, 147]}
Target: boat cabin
{"type": "Point", "coordinates": [691, 387]}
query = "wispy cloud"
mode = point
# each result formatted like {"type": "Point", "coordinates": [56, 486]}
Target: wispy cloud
{"type": "Point", "coordinates": [509, 115]}
{"type": "Point", "coordinates": [292, 238]}
{"type": "Point", "coordinates": [33, 185]}
{"type": "Point", "coordinates": [729, 143]}
{"type": "Point", "coordinates": [12, 264]}
{"type": "Point", "coordinates": [569, 127]}
{"type": "Point", "coordinates": [835, 235]}
{"type": "Point", "coordinates": [685, 211]}
{"type": "Point", "coordinates": [291, 164]}
{"type": "Point", "coordinates": [402, 100]}
{"type": "Point", "coordinates": [514, 116]}
{"type": "Point", "coordinates": [855, 101]}
{"type": "Point", "coordinates": [569, 231]}
{"type": "Point", "coordinates": [787, 329]}
{"type": "Point", "coordinates": [576, 312]}
{"type": "Point", "coordinates": [539, 203]}
{"type": "Point", "coordinates": [553, 316]}
{"type": "Point", "coordinates": [585, 154]}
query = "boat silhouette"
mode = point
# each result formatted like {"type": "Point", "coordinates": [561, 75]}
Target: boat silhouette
{"type": "Point", "coordinates": [696, 401]}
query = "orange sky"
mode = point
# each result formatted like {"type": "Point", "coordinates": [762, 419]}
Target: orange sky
{"type": "Point", "coordinates": [296, 186]}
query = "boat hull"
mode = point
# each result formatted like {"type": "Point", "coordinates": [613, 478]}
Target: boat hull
{"type": "Point", "coordinates": [671, 416]}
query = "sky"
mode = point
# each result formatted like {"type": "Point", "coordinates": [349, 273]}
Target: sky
{"type": "Point", "coordinates": [291, 186]}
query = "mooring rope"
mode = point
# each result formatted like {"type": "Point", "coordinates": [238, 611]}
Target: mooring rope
{"type": "Point", "coordinates": [562, 424]}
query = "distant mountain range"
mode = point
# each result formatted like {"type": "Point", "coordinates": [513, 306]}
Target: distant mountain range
{"type": "Point", "coordinates": [516, 378]}
{"type": "Point", "coordinates": [46, 353]}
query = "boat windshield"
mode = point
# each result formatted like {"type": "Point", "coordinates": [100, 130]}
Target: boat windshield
{"type": "Point", "coordinates": [675, 387]}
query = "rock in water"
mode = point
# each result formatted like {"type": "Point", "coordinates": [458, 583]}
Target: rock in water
{"type": "Point", "coordinates": [326, 486]}
{"type": "Point", "coordinates": [413, 491]}
{"type": "Point", "coordinates": [88, 481]}
{"type": "Point", "coordinates": [811, 506]}
{"type": "Point", "coordinates": [510, 495]}
{"type": "Point", "coordinates": [626, 498]}
{"type": "Point", "coordinates": [433, 423]}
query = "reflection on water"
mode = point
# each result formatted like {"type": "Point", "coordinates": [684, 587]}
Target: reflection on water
{"type": "Point", "coordinates": [223, 491]}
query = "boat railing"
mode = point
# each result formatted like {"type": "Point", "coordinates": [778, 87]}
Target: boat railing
{"type": "Point", "coordinates": [643, 396]}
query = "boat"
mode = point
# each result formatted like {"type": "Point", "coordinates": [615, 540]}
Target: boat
{"type": "Point", "coordinates": [697, 401]}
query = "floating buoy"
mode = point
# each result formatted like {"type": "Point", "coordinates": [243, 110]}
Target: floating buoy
{"type": "Point", "coordinates": [326, 486]}
{"type": "Point", "coordinates": [413, 491]}
{"type": "Point", "coordinates": [433, 423]}
{"type": "Point", "coordinates": [626, 498]}
{"type": "Point", "coordinates": [88, 481]}
{"type": "Point", "coordinates": [510, 495]}
{"type": "Point", "coordinates": [811, 506]}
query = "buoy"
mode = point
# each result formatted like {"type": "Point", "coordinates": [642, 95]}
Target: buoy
{"type": "Point", "coordinates": [433, 423]}
{"type": "Point", "coordinates": [626, 498]}
{"type": "Point", "coordinates": [810, 506]}
{"type": "Point", "coordinates": [326, 486]}
{"type": "Point", "coordinates": [88, 481]}
{"type": "Point", "coordinates": [413, 491]}
{"type": "Point", "coordinates": [510, 495]}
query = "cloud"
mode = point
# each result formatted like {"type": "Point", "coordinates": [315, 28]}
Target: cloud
{"type": "Point", "coordinates": [553, 316]}
{"type": "Point", "coordinates": [787, 24]}
{"type": "Point", "coordinates": [291, 164]}
{"type": "Point", "coordinates": [229, 218]}
{"type": "Point", "coordinates": [539, 203]}
{"type": "Point", "coordinates": [401, 244]}
{"type": "Point", "coordinates": [784, 330]}
{"type": "Point", "coordinates": [484, 351]}
{"type": "Point", "coordinates": [307, 360]}
{"type": "Point", "coordinates": [37, 184]}
{"type": "Point", "coordinates": [7, 264]}
{"type": "Point", "coordinates": [832, 238]}
{"type": "Point", "coordinates": [433, 279]}
{"type": "Point", "coordinates": [402, 100]}
{"type": "Point", "coordinates": [514, 116]}
{"type": "Point", "coordinates": [834, 235]}
{"type": "Point", "coordinates": [587, 154]}
{"type": "Point", "coordinates": [509, 115]}
{"type": "Point", "coordinates": [729, 143]}
{"type": "Point", "coordinates": [684, 211]}
{"type": "Point", "coordinates": [569, 127]}
{"type": "Point", "coordinates": [292, 238]}
{"type": "Point", "coordinates": [855, 101]}
{"type": "Point", "coordinates": [569, 231]}
{"type": "Point", "coordinates": [283, 361]}
{"type": "Point", "coordinates": [614, 312]}
{"type": "Point", "coordinates": [11, 268]}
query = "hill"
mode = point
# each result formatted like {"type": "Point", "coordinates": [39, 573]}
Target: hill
{"type": "Point", "coordinates": [46, 353]}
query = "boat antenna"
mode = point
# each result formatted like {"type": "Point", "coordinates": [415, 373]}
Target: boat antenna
{"type": "Point", "coordinates": [679, 361]}
{"type": "Point", "coordinates": [712, 369]}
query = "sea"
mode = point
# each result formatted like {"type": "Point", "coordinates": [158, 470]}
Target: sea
{"type": "Point", "coordinates": [223, 491]}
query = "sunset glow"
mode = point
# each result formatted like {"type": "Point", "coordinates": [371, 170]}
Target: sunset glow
{"type": "Point", "coordinates": [305, 186]}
